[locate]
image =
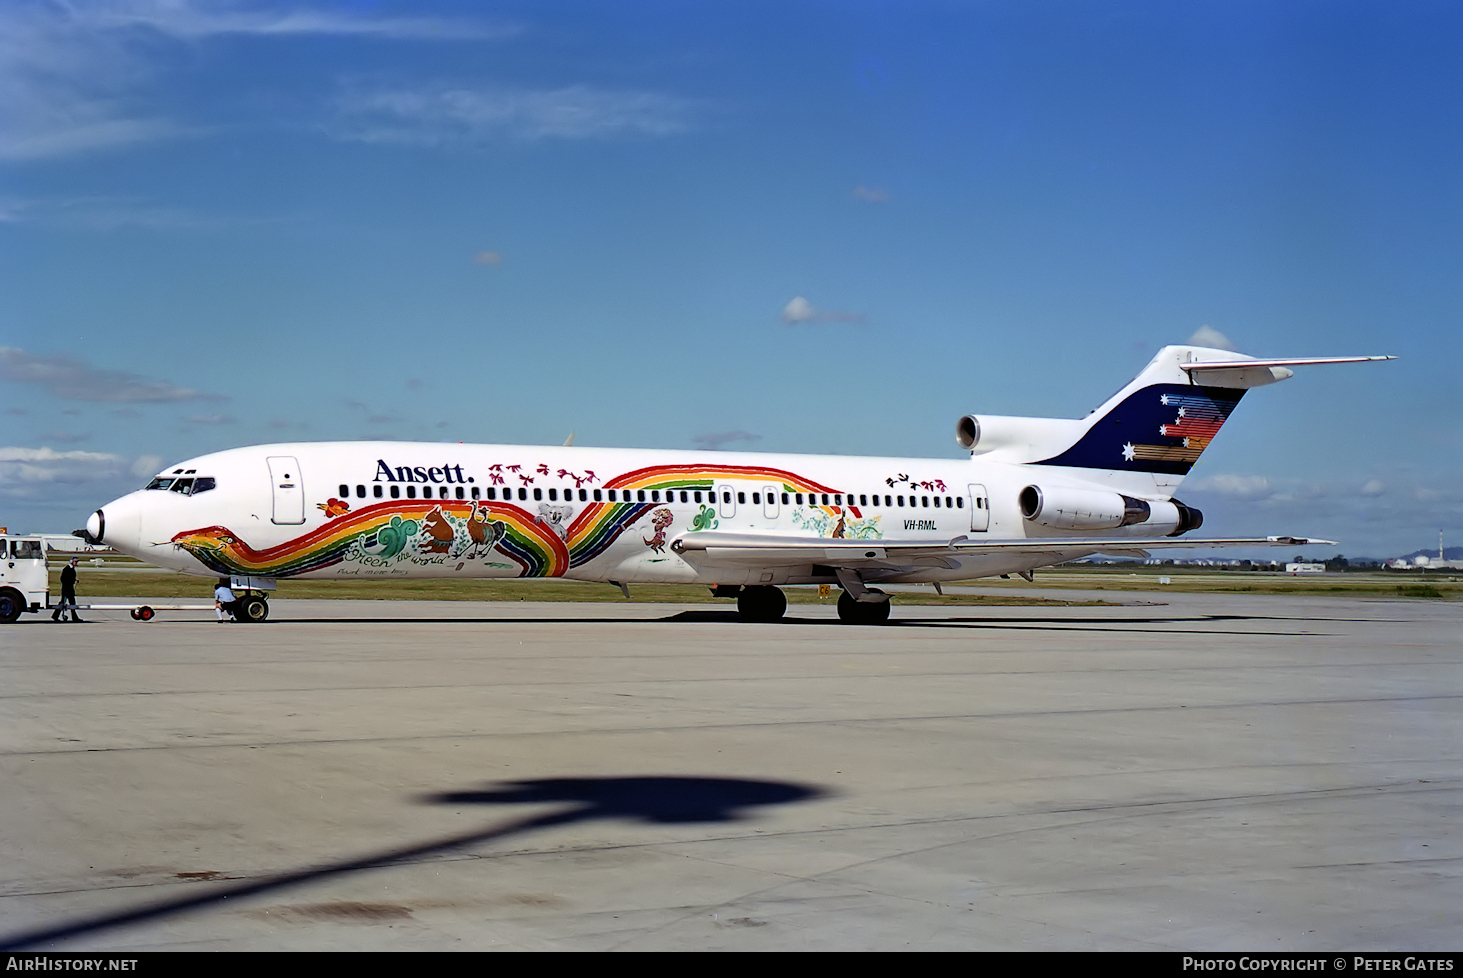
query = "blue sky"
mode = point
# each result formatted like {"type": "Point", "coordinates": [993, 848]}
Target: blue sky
{"type": "Point", "coordinates": [225, 223]}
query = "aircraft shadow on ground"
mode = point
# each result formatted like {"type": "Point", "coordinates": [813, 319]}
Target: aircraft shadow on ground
{"type": "Point", "coordinates": [1176, 625]}
{"type": "Point", "coordinates": [650, 799]}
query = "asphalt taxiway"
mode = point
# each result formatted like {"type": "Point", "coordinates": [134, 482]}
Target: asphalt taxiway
{"type": "Point", "coordinates": [1215, 772]}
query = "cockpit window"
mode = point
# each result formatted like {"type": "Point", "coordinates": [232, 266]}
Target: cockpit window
{"type": "Point", "coordinates": [203, 483]}
{"type": "Point", "coordinates": [185, 486]}
{"type": "Point", "coordinates": [161, 482]}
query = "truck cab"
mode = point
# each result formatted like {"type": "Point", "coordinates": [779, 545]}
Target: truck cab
{"type": "Point", "coordinates": [25, 581]}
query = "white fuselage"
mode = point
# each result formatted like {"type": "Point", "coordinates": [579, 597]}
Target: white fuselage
{"type": "Point", "coordinates": [395, 510]}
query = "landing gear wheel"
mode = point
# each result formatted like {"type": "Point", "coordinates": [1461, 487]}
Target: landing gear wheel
{"type": "Point", "coordinates": [853, 612]}
{"type": "Point", "coordinates": [136, 615]}
{"type": "Point", "coordinates": [12, 603]}
{"type": "Point", "coordinates": [761, 603]}
{"type": "Point", "coordinates": [144, 614]}
{"type": "Point", "coordinates": [252, 608]}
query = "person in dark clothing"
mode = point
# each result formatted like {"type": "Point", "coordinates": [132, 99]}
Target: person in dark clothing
{"type": "Point", "coordinates": [68, 593]}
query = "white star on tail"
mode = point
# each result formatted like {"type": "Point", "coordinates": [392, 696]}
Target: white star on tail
{"type": "Point", "coordinates": [1128, 452]}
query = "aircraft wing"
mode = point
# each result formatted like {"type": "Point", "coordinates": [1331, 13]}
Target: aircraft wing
{"type": "Point", "coordinates": [771, 550]}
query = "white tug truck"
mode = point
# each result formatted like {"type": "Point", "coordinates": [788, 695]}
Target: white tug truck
{"type": "Point", "coordinates": [26, 583]}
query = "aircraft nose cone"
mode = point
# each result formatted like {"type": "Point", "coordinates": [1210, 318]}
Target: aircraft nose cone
{"type": "Point", "coordinates": [96, 526]}
{"type": "Point", "coordinates": [119, 524]}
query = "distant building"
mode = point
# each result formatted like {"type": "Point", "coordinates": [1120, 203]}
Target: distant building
{"type": "Point", "coordinates": [1424, 562]}
{"type": "Point", "coordinates": [1294, 568]}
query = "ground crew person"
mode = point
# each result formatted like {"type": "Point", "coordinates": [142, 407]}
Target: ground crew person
{"type": "Point", "coordinates": [224, 602]}
{"type": "Point", "coordinates": [68, 593]}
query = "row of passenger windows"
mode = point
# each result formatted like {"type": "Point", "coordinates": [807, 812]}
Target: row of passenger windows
{"type": "Point", "coordinates": [653, 496]}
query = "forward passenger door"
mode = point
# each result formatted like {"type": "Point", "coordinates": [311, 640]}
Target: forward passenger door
{"type": "Point", "coordinates": [288, 488]}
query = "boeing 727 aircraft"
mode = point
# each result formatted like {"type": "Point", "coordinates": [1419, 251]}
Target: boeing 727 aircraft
{"type": "Point", "coordinates": [1034, 492]}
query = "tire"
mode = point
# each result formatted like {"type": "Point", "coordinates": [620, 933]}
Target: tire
{"type": "Point", "coordinates": [252, 608]}
{"type": "Point", "coordinates": [852, 612]}
{"type": "Point", "coordinates": [878, 612]}
{"type": "Point", "coordinates": [144, 613]}
{"type": "Point", "coordinates": [12, 603]}
{"type": "Point", "coordinates": [761, 603]}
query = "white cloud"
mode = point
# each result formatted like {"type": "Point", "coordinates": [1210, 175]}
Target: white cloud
{"type": "Point", "coordinates": [872, 195]}
{"type": "Point", "coordinates": [1207, 335]}
{"type": "Point", "coordinates": [1373, 487]}
{"type": "Point", "coordinates": [16, 454]}
{"type": "Point", "coordinates": [146, 465]}
{"type": "Point", "coordinates": [58, 137]}
{"type": "Point", "coordinates": [75, 72]}
{"type": "Point", "coordinates": [713, 442]}
{"type": "Point", "coordinates": [441, 115]}
{"type": "Point", "coordinates": [1240, 486]}
{"type": "Point", "coordinates": [110, 213]}
{"type": "Point", "coordinates": [800, 310]}
{"type": "Point", "coordinates": [192, 19]}
{"type": "Point", "coordinates": [25, 472]}
{"type": "Point", "coordinates": [73, 378]}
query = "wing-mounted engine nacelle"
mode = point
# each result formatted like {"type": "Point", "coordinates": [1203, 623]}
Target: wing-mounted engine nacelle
{"type": "Point", "coordinates": [1097, 509]}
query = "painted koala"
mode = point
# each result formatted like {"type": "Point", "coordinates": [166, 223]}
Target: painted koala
{"type": "Point", "coordinates": [556, 518]}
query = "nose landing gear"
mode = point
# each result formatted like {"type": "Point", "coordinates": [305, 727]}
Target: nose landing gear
{"type": "Point", "coordinates": [251, 608]}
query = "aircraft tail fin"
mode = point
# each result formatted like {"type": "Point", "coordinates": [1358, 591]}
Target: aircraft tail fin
{"type": "Point", "coordinates": [1158, 424]}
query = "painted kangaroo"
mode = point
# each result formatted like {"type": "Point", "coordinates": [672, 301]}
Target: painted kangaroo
{"type": "Point", "coordinates": [483, 532]}
{"type": "Point", "coordinates": [439, 531]}
{"type": "Point", "coordinates": [660, 519]}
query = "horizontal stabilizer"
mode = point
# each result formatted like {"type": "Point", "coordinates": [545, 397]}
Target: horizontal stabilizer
{"type": "Point", "coordinates": [1288, 362]}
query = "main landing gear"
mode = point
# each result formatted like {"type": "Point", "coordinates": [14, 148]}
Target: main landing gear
{"type": "Point", "coordinates": [761, 602]}
{"type": "Point", "coordinates": [860, 604]}
{"type": "Point", "coordinates": [852, 612]}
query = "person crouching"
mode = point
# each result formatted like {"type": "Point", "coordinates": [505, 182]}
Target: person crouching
{"type": "Point", "coordinates": [225, 604]}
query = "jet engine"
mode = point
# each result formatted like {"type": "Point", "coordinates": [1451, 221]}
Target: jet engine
{"type": "Point", "coordinates": [1016, 439]}
{"type": "Point", "coordinates": [1098, 509]}
{"type": "Point", "coordinates": [1081, 509]}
